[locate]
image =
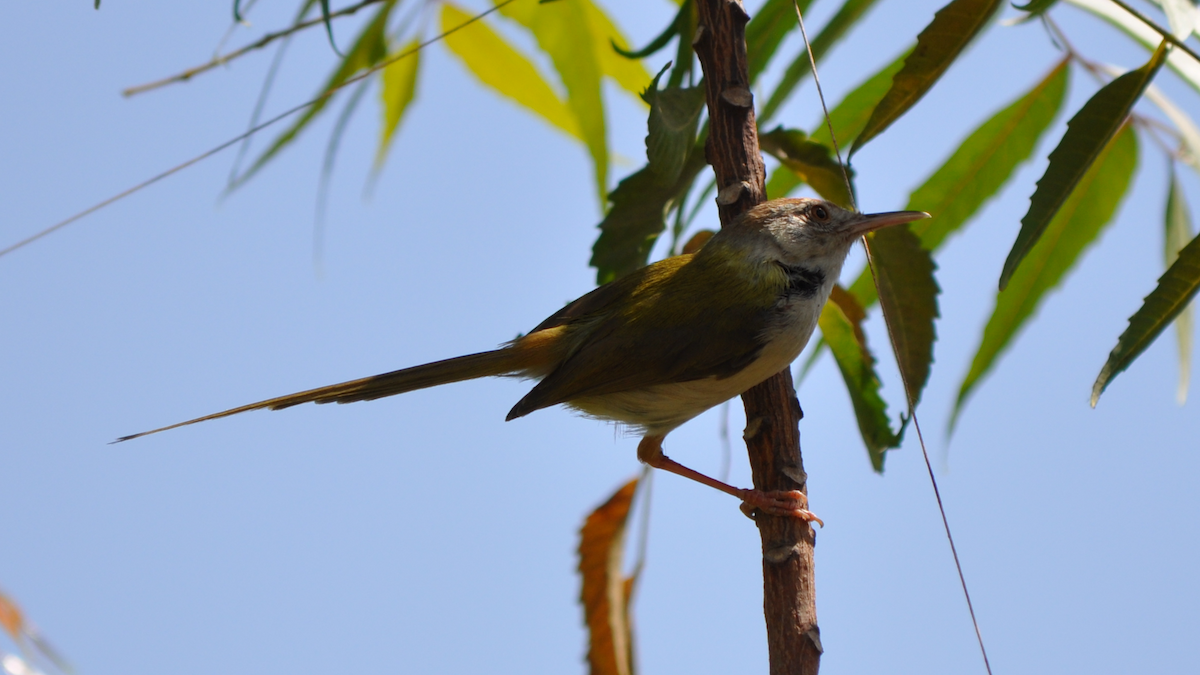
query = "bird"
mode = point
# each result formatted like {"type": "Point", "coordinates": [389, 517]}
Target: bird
{"type": "Point", "coordinates": [662, 344]}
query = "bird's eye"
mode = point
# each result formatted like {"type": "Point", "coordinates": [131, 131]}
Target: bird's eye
{"type": "Point", "coordinates": [820, 212]}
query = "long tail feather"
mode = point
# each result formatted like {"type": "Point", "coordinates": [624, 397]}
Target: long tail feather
{"type": "Point", "coordinates": [497, 362]}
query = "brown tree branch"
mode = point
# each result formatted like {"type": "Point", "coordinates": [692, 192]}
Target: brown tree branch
{"type": "Point", "coordinates": [226, 58]}
{"type": "Point", "coordinates": [772, 412]}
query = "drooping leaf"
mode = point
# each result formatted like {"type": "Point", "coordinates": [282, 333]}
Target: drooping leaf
{"type": "Point", "coordinates": [671, 128]}
{"type": "Point", "coordinates": [1078, 224]}
{"type": "Point", "coordinates": [606, 591]}
{"type": "Point", "coordinates": [369, 49]}
{"type": "Point", "coordinates": [329, 27]}
{"type": "Point", "coordinates": [608, 42]}
{"type": "Point", "coordinates": [766, 30]}
{"type": "Point", "coordinates": [1178, 234]}
{"type": "Point", "coordinates": [952, 28]}
{"type": "Point", "coordinates": [800, 67]}
{"type": "Point", "coordinates": [813, 162]}
{"type": "Point", "coordinates": [908, 294]}
{"type": "Point", "coordinates": [979, 168]}
{"type": "Point", "coordinates": [841, 327]}
{"type": "Point", "coordinates": [1088, 133]}
{"type": "Point", "coordinates": [1166, 303]}
{"type": "Point", "coordinates": [500, 66]}
{"type": "Point", "coordinates": [848, 118]}
{"type": "Point", "coordinates": [564, 32]}
{"type": "Point", "coordinates": [637, 217]}
{"type": "Point", "coordinates": [399, 86]}
{"type": "Point", "coordinates": [641, 200]}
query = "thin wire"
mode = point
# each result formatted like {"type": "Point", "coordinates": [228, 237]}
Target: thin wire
{"type": "Point", "coordinates": [253, 130]}
{"type": "Point", "coordinates": [912, 408]}
{"type": "Point", "coordinates": [821, 95]}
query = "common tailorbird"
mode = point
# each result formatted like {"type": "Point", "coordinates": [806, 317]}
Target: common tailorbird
{"type": "Point", "coordinates": [663, 344]}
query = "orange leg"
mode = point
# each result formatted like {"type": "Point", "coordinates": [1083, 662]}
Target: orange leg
{"type": "Point", "coordinates": [778, 503]}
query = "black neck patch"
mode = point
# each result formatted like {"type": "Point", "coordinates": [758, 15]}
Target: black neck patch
{"type": "Point", "coordinates": [803, 281]}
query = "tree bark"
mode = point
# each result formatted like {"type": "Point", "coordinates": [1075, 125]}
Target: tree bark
{"type": "Point", "coordinates": [772, 412]}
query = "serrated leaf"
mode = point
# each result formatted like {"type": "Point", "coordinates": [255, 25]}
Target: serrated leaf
{"type": "Point", "coordinates": [398, 87]}
{"type": "Point", "coordinates": [605, 590]}
{"type": "Point", "coordinates": [841, 327]}
{"type": "Point", "coordinates": [1168, 302]}
{"type": "Point", "coordinates": [813, 162]}
{"type": "Point", "coordinates": [608, 41]}
{"type": "Point", "coordinates": [506, 70]}
{"type": "Point", "coordinates": [1088, 133]}
{"type": "Point", "coordinates": [766, 31]}
{"type": "Point", "coordinates": [369, 49]}
{"type": "Point", "coordinates": [979, 168]}
{"type": "Point", "coordinates": [671, 128]}
{"type": "Point", "coordinates": [1076, 226]}
{"type": "Point", "coordinates": [564, 32]}
{"type": "Point", "coordinates": [908, 294]}
{"type": "Point", "coordinates": [637, 217]}
{"type": "Point", "coordinates": [800, 68]}
{"type": "Point", "coordinates": [952, 28]}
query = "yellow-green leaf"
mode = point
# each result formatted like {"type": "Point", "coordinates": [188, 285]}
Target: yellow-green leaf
{"type": "Point", "coordinates": [812, 162]}
{"type": "Point", "coordinates": [908, 296]}
{"type": "Point", "coordinates": [1166, 303]}
{"type": "Point", "coordinates": [606, 591]}
{"type": "Point", "coordinates": [398, 87]}
{"type": "Point", "coordinates": [841, 327]}
{"type": "Point", "coordinates": [979, 168]}
{"type": "Point", "coordinates": [952, 28]}
{"type": "Point", "coordinates": [1077, 225]}
{"type": "Point", "coordinates": [766, 30]}
{"type": "Point", "coordinates": [629, 74]}
{"type": "Point", "coordinates": [564, 32]}
{"type": "Point", "coordinates": [502, 67]}
{"type": "Point", "coordinates": [1178, 234]}
{"type": "Point", "coordinates": [1088, 133]}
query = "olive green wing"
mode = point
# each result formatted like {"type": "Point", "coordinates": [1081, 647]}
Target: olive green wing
{"type": "Point", "coordinates": [671, 327]}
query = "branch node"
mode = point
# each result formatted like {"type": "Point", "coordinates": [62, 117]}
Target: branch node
{"type": "Point", "coordinates": [739, 97]}
{"type": "Point", "coordinates": [777, 555]}
{"type": "Point", "coordinates": [732, 192]}
{"type": "Point", "coordinates": [752, 428]}
{"type": "Point", "coordinates": [796, 473]}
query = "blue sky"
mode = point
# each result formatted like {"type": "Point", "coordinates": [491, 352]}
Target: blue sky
{"type": "Point", "coordinates": [424, 534]}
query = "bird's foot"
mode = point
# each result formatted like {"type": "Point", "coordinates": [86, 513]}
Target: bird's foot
{"type": "Point", "coordinates": [789, 503]}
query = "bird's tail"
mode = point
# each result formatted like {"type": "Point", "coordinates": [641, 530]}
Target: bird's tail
{"type": "Point", "coordinates": [505, 361]}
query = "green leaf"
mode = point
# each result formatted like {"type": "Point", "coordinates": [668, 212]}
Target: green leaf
{"type": "Point", "coordinates": [811, 161]}
{"type": "Point", "coordinates": [1183, 65]}
{"type": "Point", "coordinates": [979, 168]}
{"type": "Point", "coordinates": [908, 296]}
{"type": "Point", "coordinates": [800, 67]}
{"type": "Point", "coordinates": [1169, 301]}
{"type": "Point", "coordinates": [641, 201]}
{"type": "Point", "coordinates": [399, 86]}
{"type": "Point", "coordinates": [329, 26]}
{"type": "Point", "coordinates": [941, 42]}
{"type": "Point", "coordinates": [671, 128]}
{"type": "Point", "coordinates": [500, 66]}
{"type": "Point", "coordinates": [1178, 234]}
{"type": "Point", "coordinates": [766, 30]}
{"type": "Point", "coordinates": [369, 49]}
{"type": "Point", "coordinates": [1077, 225]}
{"type": "Point", "coordinates": [1088, 133]}
{"type": "Point", "coordinates": [609, 42]}
{"type": "Point", "coordinates": [637, 217]}
{"type": "Point", "coordinates": [850, 116]}
{"type": "Point", "coordinates": [662, 40]}
{"type": "Point", "coordinates": [564, 32]}
{"type": "Point", "coordinates": [841, 327]}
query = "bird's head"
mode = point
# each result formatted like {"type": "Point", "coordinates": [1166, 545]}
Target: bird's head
{"type": "Point", "coordinates": [810, 233]}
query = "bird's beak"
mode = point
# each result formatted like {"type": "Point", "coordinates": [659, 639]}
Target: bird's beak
{"type": "Point", "coordinates": [869, 222]}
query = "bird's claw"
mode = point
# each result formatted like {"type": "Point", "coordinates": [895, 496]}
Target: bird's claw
{"type": "Point", "coordinates": [788, 503]}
